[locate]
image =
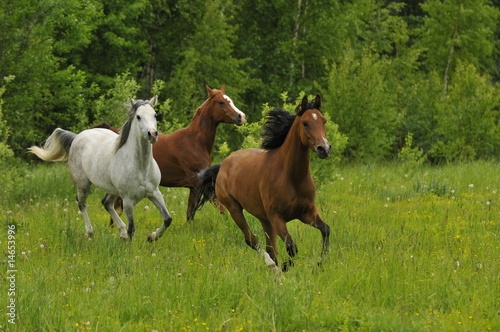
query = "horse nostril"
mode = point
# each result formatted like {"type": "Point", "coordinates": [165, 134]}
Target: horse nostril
{"type": "Point", "coordinates": [152, 135]}
{"type": "Point", "coordinates": [321, 149]}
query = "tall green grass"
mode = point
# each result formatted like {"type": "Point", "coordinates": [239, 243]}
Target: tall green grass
{"type": "Point", "coordinates": [409, 252]}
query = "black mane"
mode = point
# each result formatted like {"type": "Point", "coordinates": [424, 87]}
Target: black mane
{"type": "Point", "coordinates": [279, 122]}
{"type": "Point", "coordinates": [275, 129]}
{"type": "Point", "coordinates": [125, 130]}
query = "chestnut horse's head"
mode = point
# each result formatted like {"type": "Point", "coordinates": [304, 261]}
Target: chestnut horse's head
{"type": "Point", "coordinates": [222, 107]}
{"type": "Point", "coordinates": [312, 127]}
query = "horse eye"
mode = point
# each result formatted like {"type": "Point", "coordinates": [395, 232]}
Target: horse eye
{"type": "Point", "coordinates": [221, 103]}
{"type": "Point", "coordinates": [139, 117]}
{"type": "Point", "coordinates": [304, 124]}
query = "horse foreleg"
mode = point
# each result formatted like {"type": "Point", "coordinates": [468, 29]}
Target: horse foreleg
{"type": "Point", "coordinates": [291, 247]}
{"type": "Point", "coordinates": [109, 204]}
{"type": "Point", "coordinates": [315, 220]}
{"type": "Point", "coordinates": [128, 207]}
{"type": "Point", "coordinates": [237, 214]}
{"type": "Point", "coordinates": [159, 202]}
{"type": "Point", "coordinates": [270, 256]}
{"type": "Point", "coordinates": [118, 208]}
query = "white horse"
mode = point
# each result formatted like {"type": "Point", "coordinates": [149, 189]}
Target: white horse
{"type": "Point", "coordinates": [121, 165]}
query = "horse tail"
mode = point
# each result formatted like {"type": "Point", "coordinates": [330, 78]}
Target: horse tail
{"type": "Point", "coordinates": [56, 147]}
{"type": "Point", "coordinates": [208, 176]}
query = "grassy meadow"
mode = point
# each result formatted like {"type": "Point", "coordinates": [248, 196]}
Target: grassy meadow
{"type": "Point", "coordinates": [409, 252]}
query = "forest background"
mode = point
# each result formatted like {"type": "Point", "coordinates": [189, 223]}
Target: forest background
{"type": "Point", "coordinates": [394, 75]}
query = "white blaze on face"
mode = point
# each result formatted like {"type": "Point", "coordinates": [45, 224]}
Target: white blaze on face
{"type": "Point", "coordinates": [243, 117]}
{"type": "Point", "coordinates": [315, 116]}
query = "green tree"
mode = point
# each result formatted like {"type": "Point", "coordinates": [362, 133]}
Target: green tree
{"type": "Point", "coordinates": [468, 118]}
{"type": "Point", "coordinates": [359, 100]}
{"type": "Point", "coordinates": [207, 59]}
{"type": "Point", "coordinates": [47, 90]}
{"type": "Point", "coordinates": [118, 44]}
{"type": "Point", "coordinates": [458, 30]}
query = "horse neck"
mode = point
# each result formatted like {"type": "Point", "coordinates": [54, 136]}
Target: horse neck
{"type": "Point", "coordinates": [295, 155]}
{"type": "Point", "coordinates": [204, 127]}
{"type": "Point", "coordinates": [141, 150]}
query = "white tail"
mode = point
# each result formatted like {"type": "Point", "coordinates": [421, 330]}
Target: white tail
{"type": "Point", "coordinates": [56, 147]}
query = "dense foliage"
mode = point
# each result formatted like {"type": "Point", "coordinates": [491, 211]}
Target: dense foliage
{"type": "Point", "coordinates": [385, 69]}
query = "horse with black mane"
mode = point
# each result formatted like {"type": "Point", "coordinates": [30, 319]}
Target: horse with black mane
{"type": "Point", "coordinates": [274, 183]}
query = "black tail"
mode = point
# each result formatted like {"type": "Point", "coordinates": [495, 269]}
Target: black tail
{"type": "Point", "coordinates": [208, 176]}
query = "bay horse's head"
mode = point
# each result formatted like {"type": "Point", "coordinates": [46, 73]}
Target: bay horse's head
{"type": "Point", "coordinates": [222, 107]}
{"type": "Point", "coordinates": [143, 117]}
{"type": "Point", "coordinates": [312, 128]}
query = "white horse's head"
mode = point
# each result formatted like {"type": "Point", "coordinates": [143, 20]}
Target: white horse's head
{"type": "Point", "coordinates": [142, 121]}
{"type": "Point", "coordinates": [145, 118]}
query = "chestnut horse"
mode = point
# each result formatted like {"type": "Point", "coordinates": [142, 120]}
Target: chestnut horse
{"type": "Point", "coordinates": [274, 185]}
{"type": "Point", "coordinates": [185, 152]}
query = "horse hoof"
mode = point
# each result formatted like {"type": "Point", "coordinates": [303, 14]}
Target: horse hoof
{"type": "Point", "coordinates": [125, 237]}
{"type": "Point", "coordinates": [152, 237]}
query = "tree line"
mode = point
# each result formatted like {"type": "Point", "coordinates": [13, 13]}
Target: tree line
{"type": "Point", "coordinates": [389, 72]}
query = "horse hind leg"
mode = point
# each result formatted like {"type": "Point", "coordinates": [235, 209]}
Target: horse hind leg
{"type": "Point", "coordinates": [194, 196]}
{"type": "Point", "coordinates": [118, 208]}
{"type": "Point", "coordinates": [109, 204]}
{"type": "Point", "coordinates": [83, 191]}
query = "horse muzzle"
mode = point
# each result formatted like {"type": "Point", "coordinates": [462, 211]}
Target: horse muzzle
{"type": "Point", "coordinates": [152, 136]}
{"type": "Point", "coordinates": [239, 119]}
{"type": "Point", "coordinates": [323, 151]}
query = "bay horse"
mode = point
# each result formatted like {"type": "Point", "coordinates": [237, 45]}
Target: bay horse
{"type": "Point", "coordinates": [119, 164]}
{"type": "Point", "coordinates": [185, 152]}
{"type": "Point", "coordinates": [274, 183]}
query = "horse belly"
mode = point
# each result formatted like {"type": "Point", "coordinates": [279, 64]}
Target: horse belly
{"type": "Point", "coordinates": [179, 162]}
{"type": "Point", "coordinates": [239, 178]}
{"type": "Point", "coordinates": [90, 154]}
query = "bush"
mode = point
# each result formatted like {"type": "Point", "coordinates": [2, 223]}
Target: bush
{"type": "Point", "coordinates": [7, 161]}
{"type": "Point", "coordinates": [360, 100]}
{"type": "Point", "coordinates": [467, 118]}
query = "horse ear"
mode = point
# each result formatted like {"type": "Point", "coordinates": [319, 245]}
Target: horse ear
{"type": "Point", "coordinates": [302, 107]}
{"type": "Point", "coordinates": [132, 101]}
{"type": "Point", "coordinates": [154, 100]}
{"type": "Point", "coordinates": [304, 103]}
{"type": "Point", "coordinates": [317, 102]}
{"type": "Point", "coordinates": [210, 92]}
{"type": "Point", "coordinates": [223, 89]}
